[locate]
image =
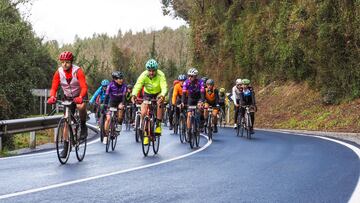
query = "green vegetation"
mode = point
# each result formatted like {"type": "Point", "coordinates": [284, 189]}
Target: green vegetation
{"type": "Point", "coordinates": [301, 40]}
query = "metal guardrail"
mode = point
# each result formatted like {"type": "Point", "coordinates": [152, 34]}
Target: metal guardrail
{"type": "Point", "coordinates": [8, 127]}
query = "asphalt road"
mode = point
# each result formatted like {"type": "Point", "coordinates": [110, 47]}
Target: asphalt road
{"type": "Point", "coordinates": [272, 167]}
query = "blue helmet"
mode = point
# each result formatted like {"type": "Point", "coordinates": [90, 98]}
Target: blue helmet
{"type": "Point", "coordinates": [151, 65]}
{"type": "Point", "coordinates": [182, 77]}
{"type": "Point", "coordinates": [105, 82]}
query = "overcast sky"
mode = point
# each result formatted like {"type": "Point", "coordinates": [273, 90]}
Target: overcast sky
{"type": "Point", "coordinates": [61, 20]}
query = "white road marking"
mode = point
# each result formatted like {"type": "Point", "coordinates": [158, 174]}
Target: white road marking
{"type": "Point", "coordinates": [15, 194]}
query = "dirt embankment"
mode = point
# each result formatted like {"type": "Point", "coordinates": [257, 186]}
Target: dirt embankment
{"type": "Point", "coordinates": [296, 106]}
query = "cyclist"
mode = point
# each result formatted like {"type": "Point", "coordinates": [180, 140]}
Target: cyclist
{"type": "Point", "coordinates": [115, 92]}
{"type": "Point", "coordinates": [211, 100]}
{"type": "Point", "coordinates": [171, 104]}
{"type": "Point", "coordinates": [155, 87]}
{"type": "Point", "coordinates": [99, 97]}
{"type": "Point", "coordinates": [222, 101]}
{"type": "Point", "coordinates": [236, 95]}
{"type": "Point", "coordinates": [72, 80]}
{"type": "Point", "coordinates": [177, 94]}
{"type": "Point", "coordinates": [248, 98]}
{"type": "Point", "coordinates": [194, 89]}
{"type": "Point", "coordinates": [204, 79]}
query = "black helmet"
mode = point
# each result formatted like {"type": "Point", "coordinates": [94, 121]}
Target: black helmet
{"type": "Point", "coordinates": [117, 75]}
{"type": "Point", "coordinates": [204, 79]}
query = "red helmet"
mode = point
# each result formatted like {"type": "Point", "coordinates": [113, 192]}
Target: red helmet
{"type": "Point", "coordinates": [66, 56]}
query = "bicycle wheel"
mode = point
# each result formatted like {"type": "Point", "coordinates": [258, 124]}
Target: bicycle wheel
{"type": "Point", "coordinates": [220, 120]}
{"type": "Point", "coordinates": [209, 127]}
{"type": "Point", "coordinates": [128, 118]}
{"type": "Point", "coordinates": [114, 135]}
{"type": "Point", "coordinates": [156, 143]}
{"type": "Point", "coordinates": [248, 126]}
{"type": "Point", "coordinates": [176, 124]}
{"type": "Point", "coordinates": [60, 141]}
{"type": "Point", "coordinates": [197, 132]}
{"type": "Point", "coordinates": [145, 133]}
{"type": "Point", "coordinates": [137, 128]}
{"type": "Point", "coordinates": [182, 129]}
{"type": "Point", "coordinates": [192, 135]}
{"type": "Point", "coordinates": [80, 147]}
{"type": "Point", "coordinates": [111, 131]}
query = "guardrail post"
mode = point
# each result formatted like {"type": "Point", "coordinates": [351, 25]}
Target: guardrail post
{"type": "Point", "coordinates": [32, 143]}
{"type": "Point", "coordinates": [0, 144]}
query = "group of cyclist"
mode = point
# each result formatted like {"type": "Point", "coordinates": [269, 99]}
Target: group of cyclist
{"type": "Point", "coordinates": [187, 90]}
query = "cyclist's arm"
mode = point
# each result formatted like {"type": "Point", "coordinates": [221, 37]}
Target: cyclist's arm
{"type": "Point", "coordinates": [82, 82]}
{"type": "Point", "coordinates": [175, 94]}
{"type": "Point", "coordinates": [234, 96]}
{"type": "Point", "coordinates": [163, 84]}
{"type": "Point", "coordinates": [253, 98]}
{"type": "Point", "coordinates": [139, 84]}
{"type": "Point", "coordinates": [55, 84]}
{"type": "Point", "coordinates": [202, 91]}
{"type": "Point", "coordinates": [107, 94]}
{"type": "Point", "coordinates": [216, 97]}
{"type": "Point", "coordinates": [96, 94]}
{"type": "Point", "coordinates": [184, 90]}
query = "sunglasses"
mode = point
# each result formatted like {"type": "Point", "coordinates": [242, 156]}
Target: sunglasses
{"type": "Point", "coordinates": [191, 76]}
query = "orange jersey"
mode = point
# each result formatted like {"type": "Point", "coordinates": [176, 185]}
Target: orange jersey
{"type": "Point", "coordinates": [210, 96]}
{"type": "Point", "coordinates": [177, 92]}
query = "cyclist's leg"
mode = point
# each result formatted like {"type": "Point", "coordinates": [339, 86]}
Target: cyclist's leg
{"type": "Point", "coordinates": [120, 115]}
{"type": "Point", "coordinates": [206, 112]}
{"type": "Point", "coordinates": [214, 119]}
{"type": "Point", "coordinates": [252, 115]}
{"type": "Point", "coordinates": [83, 115]}
{"type": "Point", "coordinates": [159, 116]}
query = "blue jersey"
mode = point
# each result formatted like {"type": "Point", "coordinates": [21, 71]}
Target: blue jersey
{"type": "Point", "coordinates": [99, 92]}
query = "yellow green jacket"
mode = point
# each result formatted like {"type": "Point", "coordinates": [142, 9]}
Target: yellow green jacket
{"type": "Point", "coordinates": [155, 85]}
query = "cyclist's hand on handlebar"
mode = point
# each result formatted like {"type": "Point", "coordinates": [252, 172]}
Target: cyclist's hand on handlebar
{"type": "Point", "coordinates": [51, 100]}
{"type": "Point", "coordinates": [78, 100]}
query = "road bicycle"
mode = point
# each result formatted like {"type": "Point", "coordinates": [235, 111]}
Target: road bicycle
{"type": "Point", "coordinates": [194, 136]}
{"type": "Point", "coordinates": [148, 128]}
{"type": "Point", "coordinates": [113, 134]}
{"type": "Point", "coordinates": [68, 130]}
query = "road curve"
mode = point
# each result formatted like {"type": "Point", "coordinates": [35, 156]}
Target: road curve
{"type": "Point", "coordinates": [273, 167]}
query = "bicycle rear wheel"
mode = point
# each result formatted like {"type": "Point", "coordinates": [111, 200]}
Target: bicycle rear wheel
{"type": "Point", "coordinates": [248, 125]}
{"type": "Point", "coordinates": [197, 134]}
{"type": "Point", "coordinates": [146, 130]}
{"type": "Point", "coordinates": [209, 127]}
{"type": "Point", "coordinates": [60, 141]}
{"type": "Point", "coordinates": [176, 123]}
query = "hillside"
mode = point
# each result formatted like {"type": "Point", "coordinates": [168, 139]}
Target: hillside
{"type": "Point", "coordinates": [297, 106]}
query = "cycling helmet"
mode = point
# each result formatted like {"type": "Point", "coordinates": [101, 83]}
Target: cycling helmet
{"type": "Point", "coordinates": [66, 56]}
{"type": "Point", "coordinates": [222, 90]}
{"type": "Point", "coordinates": [204, 79]}
{"type": "Point", "coordinates": [239, 82]}
{"type": "Point", "coordinates": [210, 82]}
{"type": "Point", "coordinates": [182, 77]}
{"type": "Point", "coordinates": [105, 83]}
{"type": "Point", "coordinates": [129, 86]}
{"type": "Point", "coordinates": [151, 65]}
{"type": "Point", "coordinates": [246, 81]}
{"type": "Point", "coordinates": [117, 75]}
{"type": "Point", "coordinates": [192, 71]}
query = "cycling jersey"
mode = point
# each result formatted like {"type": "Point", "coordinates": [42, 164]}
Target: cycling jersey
{"type": "Point", "coordinates": [222, 98]}
{"type": "Point", "coordinates": [236, 94]}
{"type": "Point", "coordinates": [115, 92]}
{"type": "Point", "coordinates": [72, 81]}
{"type": "Point", "coordinates": [177, 93]}
{"type": "Point", "coordinates": [100, 92]}
{"type": "Point", "coordinates": [155, 85]}
{"type": "Point", "coordinates": [211, 96]}
{"type": "Point", "coordinates": [247, 97]}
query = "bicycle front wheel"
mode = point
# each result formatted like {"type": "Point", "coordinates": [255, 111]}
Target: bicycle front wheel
{"type": "Point", "coordinates": [182, 129]}
{"type": "Point", "coordinates": [63, 127]}
{"type": "Point", "coordinates": [209, 128]}
{"type": "Point", "coordinates": [146, 130]}
{"type": "Point", "coordinates": [114, 135]}
{"type": "Point", "coordinates": [137, 128]}
{"type": "Point", "coordinates": [156, 144]}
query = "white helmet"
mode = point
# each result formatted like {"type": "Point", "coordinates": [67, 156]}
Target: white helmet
{"type": "Point", "coordinates": [239, 82]}
{"type": "Point", "coordinates": [192, 71]}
